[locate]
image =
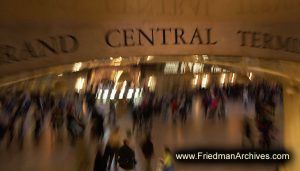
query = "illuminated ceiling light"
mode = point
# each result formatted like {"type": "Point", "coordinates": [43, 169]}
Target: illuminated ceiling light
{"type": "Point", "coordinates": [111, 58]}
{"type": "Point", "coordinates": [198, 68]}
{"type": "Point", "coordinates": [117, 76]}
{"type": "Point", "coordinates": [151, 83]}
{"type": "Point", "coordinates": [224, 70]}
{"type": "Point", "coordinates": [215, 69]}
{"type": "Point", "coordinates": [114, 91]}
{"type": "Point", "coordinates": [171, 68]}
{"type": "Point", "coordinates": [150, 80]}
{"type": "Point", "coordinates": [204, 81]}
{"type": "Point", "coordinates": [139, 76]}
{"type": "Point", "coordinates": [79, 84]}
{"type": "Point", "coordinates": [138, 61]}
{"type": "Point", "coordinates": [190, 64]}
{"type": "Point", "coordinates": [123, 90]}
{"type": "Point", "coordinates": [196, 57]}
{"type": "Point", "coordinates": [218, 69]}
{"type": "Point", "coordinates": [182, 67]}
{"type": "Point", "coordinates": [117, 61]}
{"type": "Point", "coordinates": [60, 75]}
{"type": "Point", "coordinates": [105, 94]}
{"type": "Point", "coordinates": [136, 94]}
{"type": "Point", "coordinates": [121, 95]}
{"type": "Point", "coordinates": [205, 57]}
{"type": "Point", "coordinates": [129, 94]}
{"type": "Point", "coordinates": [77, 66]}
{"type": "Point", "coordinates": [222, 81]}
{"type": "Point", "coordinates": [99, 93]}
{"type": "Point", "coordinates": [149, 58]}
{"type": "Point", "coordinates": [233, 77]}
{"type": "Point", "coordinates": [113, 94]}
{"type": "Point", "coordinates": [196, 80]}
{"type": "Point", "coordinates": [250, 76]}
{"type": "Point", "coordinates": [141, 93]}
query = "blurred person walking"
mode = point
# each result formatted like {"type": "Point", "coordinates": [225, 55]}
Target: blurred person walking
{"type": "Point", "coordinates": [97, 124]}
{"type": "Point", "coordinates": [245, 98]}
{"type": "Point", "coordinates": [100, 162]}
{"type": "Point", "coordinates": [113, 145]}
{"type": "Point", "coordinates": [135, 118]}
{"type": "Point", "coordinates": [112, 113]}
{"type": "Point", "coordinates": [148, 151]}
{"type": "Point", "coordinates": [126, 157]}
{"type": "Point", "coordinates": [23, 113]}
{"type": "Point", "coordinates": [3, 121]}
{"type": "Point", "coordinates": [57, 121]}
{"type": "Point", "coordinates": [213, 106]}
{"type": "Point", "coordinates": [168, 160]}
{"type": "Point", "coordinates": [183, 109]}
{"type": "Point", "coordinates": [206, 102]}
{"type": "Point", "coordinates": [174, 107]}
{"type": "Point", "coordinates": [221, 104]}
{"type": "Point", "coordinates": [38, 126]}
{"type": "Point", "coordinates": [247, 132]}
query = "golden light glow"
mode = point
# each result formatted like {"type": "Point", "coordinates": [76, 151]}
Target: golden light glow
{"type": "Point", "coordinates": [99, 93]}
{"type": "Point", "coordinates": [77, 66]}
{"type": "Point", "coordinates": [136, 94]}
{"type": "Point", "coordinates": [196, 80]}
{"type": "Point", "coordinates": [204, 81]}
{"type": "Point", "coordinates": [118, 75]}
{"type": "Point", "coordinates": [205, 57]}
{"type": "Point", "coordinates": [149, 58]}
{"type": "Point", "coordinates": [222, 81]}
{"type": "Point", "coordinates": [250, 76]}
{"type": "Point", "coordinates": [105, 94]}
{"type": "Point", "coordinates": [113, 94]}
{"type": "Point", "coordinates": [232, 78]}
{"type": "Point", "coordinates": [117, 61]}
{"type": "Point", "coordinates": [129, 94]}
{"type": "Point", "coordinates": [79, 84]}
{"type": "Point", "coordinates": [150, 80]}
{"type": "Point", "coordinates": [197, 68]}
{"type": "Point", "coordinates": [141, 93]}
{"type": "Point", "coordinates": [151, 83]}
{"type": "Point", "coordinates": [122, 90]}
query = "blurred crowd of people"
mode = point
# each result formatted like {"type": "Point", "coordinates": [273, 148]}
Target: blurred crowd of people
{"type": "Point", "coordinates": [175, 106]}
{"type": "Point", "coordinates": [265, 97]}
{"type": "Point", "coordinates": [74, 112]}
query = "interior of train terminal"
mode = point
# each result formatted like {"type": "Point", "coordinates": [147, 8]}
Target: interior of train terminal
{"type": "Point", "coordinates": [150, 85]}
{"type": "Point", "coordinates": [181, 103]}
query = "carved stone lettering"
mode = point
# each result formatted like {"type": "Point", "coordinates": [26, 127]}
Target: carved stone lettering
{"type": "Point", "coordinates": [116, 38]}
{"type": "Point", "coordinates": [143, 34]}
{"type": "Point", "coordinates": [209, 41]}
{"type": "Point", "coordinates": [51, 46]}
{"type": "Point", "coordinates": [269, 41]}
{"type": "Point", "coordinates": [179, 33]}
{"type": "Point", "coordinates": [128, 37]}
{"type": "Point", "coordinates": [28, 51]}
{"type": "Point", "coordinates": [68, 43]}
{"type": "Point", "coordinates": [197, 36]}
{"type": "Point", "coordinates": [164, 30]}
{"type": "Point", "coordinates": [38, 48]}
{"type": "Point", "coordinates": [158, 7]}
